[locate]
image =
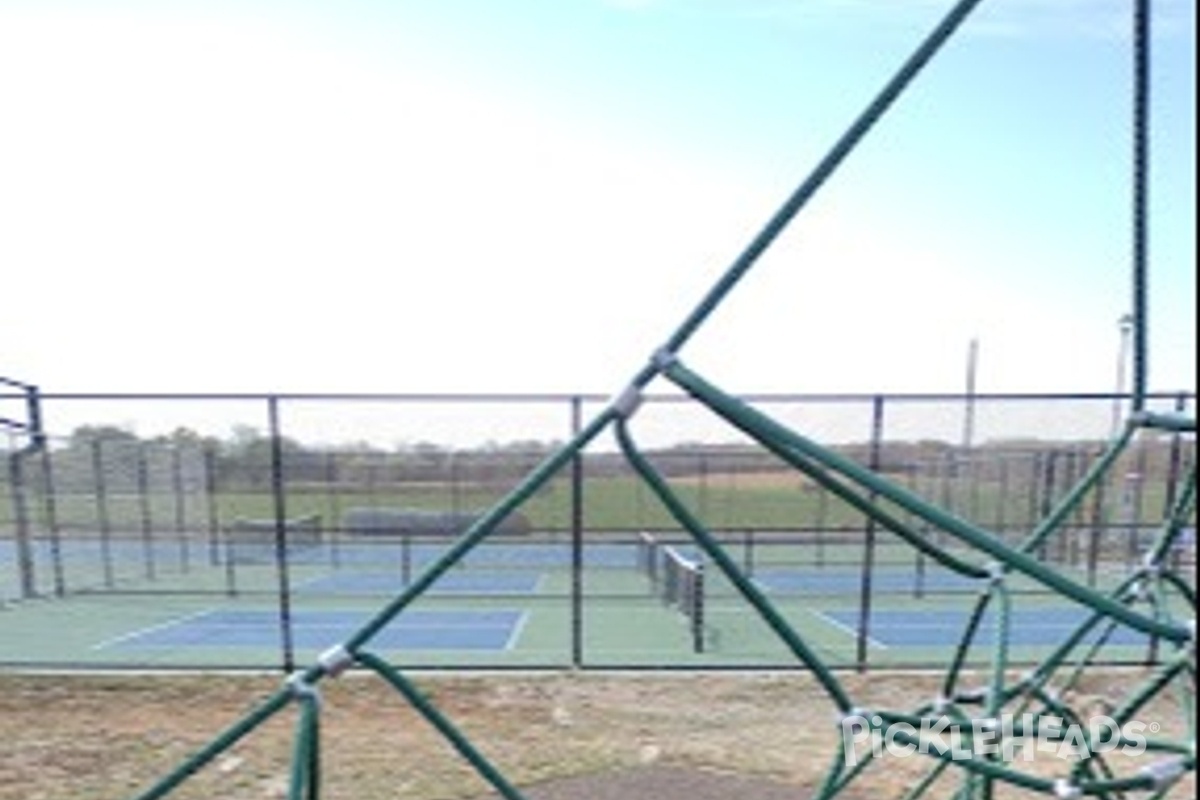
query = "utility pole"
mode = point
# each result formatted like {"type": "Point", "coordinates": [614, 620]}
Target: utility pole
{"type": "Point", "coordinates": [1125, 326]}
{"type": "Point", "coordinates": [968, 436]}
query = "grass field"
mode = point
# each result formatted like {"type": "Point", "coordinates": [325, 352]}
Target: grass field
{"type": "Point", "coordinates": [764, 499]}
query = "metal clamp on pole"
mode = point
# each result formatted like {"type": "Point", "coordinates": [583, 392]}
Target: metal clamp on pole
{"type": "Point", "coordinates": [627, 402]}
{"type": "Point", "coordinates": [301, 688]}
{"type": "Point", "coordinates": [1164, 773]}
{"type": "Point", "coordinates": [1065, 790]}
{"type": "Point", "coordinates": [664, 358]}
{"type": "Point", "coordinates": [335, 660]}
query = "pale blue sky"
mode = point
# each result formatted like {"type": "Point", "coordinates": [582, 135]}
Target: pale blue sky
{"type": "Point", "coordinates": [529, 196]}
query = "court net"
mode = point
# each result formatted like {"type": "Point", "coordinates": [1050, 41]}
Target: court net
{"type": "Point", "coordinates": [260, 541]}
{"type": "Point", "coordinates": [677, 580]}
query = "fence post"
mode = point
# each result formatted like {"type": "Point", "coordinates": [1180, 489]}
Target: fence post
{"type": "Point", "coordinates": [25, 556]}
{"type": "Point", "coordinates": [219, 550]}
{"type": "Point", "coordinates": [1096, 530]}
{"type": "Point", "coordinates": [102, 515]}
{"type": "Point", "coordinates": [334, 501]}
{"type": "Point", "coordinates": [1133, 502]}
{"type": "Point", "coordinates": [210, 495]}
{"type": "Point", "coordinates": [822, 523]}
{"type": "Point", "coordinates": [143, 481]}
{"type": "Point", "coordinates": [1049, 485]}
{"type": "Point", "coordinates": [281, 553]}
{"type": "Point", "coordinates": [577, 654]}
{"type": "Point", "coordinates": [177, 489]}
{"type": "Point", "coordinates": [864, 615]}
{"type": "Point", "coordinates": [1000, 519]}
{"type": "Point", "coordinates": [1175, 463]}
{"type": "Point", "coordinates": [50, 515]}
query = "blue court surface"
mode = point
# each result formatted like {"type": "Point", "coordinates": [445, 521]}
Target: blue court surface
{"type": "Point", "coordinates": [849, 581]}
{"type": "Point", "coordinates": [917, 627]}
{"type": "Point", "coordinates": [375, 583]}
{"type": "Point", "coordinates": [411, 630]}
{"type": "Point", "coordinates": [505, 555]}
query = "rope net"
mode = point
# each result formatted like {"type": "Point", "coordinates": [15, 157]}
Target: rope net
{"type": "Point", "coordinates": [1005, 715]}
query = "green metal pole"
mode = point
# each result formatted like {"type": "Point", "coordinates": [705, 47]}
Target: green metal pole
{"type": "Point", "coordinates": [481, 528]}
{"type": "Point", "coordinates": [219, 745]}
{"type": "Point", "coordinates": [1141, 169]}
{"type": "Point", "coordinates": [824, 169]}
{"type": "Point", "coordinates": [441, 723]}
{"type": "Point", "coordinates": [731, 570]}
{"type": "Point", "coordinates": [305, 783]}
{"type": "Point", "coordinates": [764, 429]}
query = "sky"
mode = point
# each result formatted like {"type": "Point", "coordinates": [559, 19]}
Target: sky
{"type": "Point", "coordinates": [472, 196]}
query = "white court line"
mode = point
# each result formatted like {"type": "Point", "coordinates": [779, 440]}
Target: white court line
{"type": "Point", "coordinates": [151, 629]}
{"type": "Point", "coordinates": [853, 632]}
{"type": "Point", "coordinates": [517, 629]}
{"type": "Point", "coordinates": [412, 621]}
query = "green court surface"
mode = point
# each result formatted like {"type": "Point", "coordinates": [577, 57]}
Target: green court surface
{"type": "Point", "coordinates": [529, 606]}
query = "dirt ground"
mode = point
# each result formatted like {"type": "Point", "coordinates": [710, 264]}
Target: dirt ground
{"type": "Point", "coordinates": [557, 736]}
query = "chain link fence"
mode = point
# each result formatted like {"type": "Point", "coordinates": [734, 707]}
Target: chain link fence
{"type": "Point", "coordinates": [275, 519]}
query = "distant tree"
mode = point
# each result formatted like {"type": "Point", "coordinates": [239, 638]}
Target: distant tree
{"type": "Point", "coordinates": [83, 436]}
{"type": "Point", "coordinates": [246, 460]}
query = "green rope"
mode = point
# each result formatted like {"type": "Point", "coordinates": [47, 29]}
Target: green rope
{"type": "Point", "coordinates": [732, 571]}
{"type": "Point", "coordinates": [964, 643]}
{"type": "Point", "coordinates": [812, 184]}
{"type": "Point", "coordinates": [764, 430]}
{"type": "Point", "coordinates": [306, 777]}
{"type": "Point", "coordinates": [1058, 658]}
{"type": "Point", "coordinates": [868, 504]}
{"type": "Point", "coordinates": [443, 725]}
{"type": "Point", "coordinates": [219, 745]}
{"type": "Point", "coordinates": [1072, 501]}
{"type": "Point", "coordinates": [1178, 516]}
{"type": "Point", "coordinates": [481, 529]}
{"type": "Point", "coordinates": [1141, 168]}
{"type": "Point", "coordinates": [928, 781]}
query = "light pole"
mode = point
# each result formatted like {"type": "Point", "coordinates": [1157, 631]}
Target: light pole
{"type": "Point", "coordinates": [1125, 325]}
{"type": "Point", "coordinates": [968, 436]}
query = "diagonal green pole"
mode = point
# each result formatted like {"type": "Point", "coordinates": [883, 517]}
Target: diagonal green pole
{"type": "Point", "coordinates": [778, 624]}
{"type": "Point", "coordinates": [226, 740]}
{"type": "Point", "coordinates": [690, 325]}
{"type": "Point", "coordinates": [965, 642]}
{"type": "Point", "coordinates": [1178, 516]}
{"type": "Point", "coordinates": [306, 777]}
{"type": "Point", "coordinates": [1078, 493]}
{"type": "Point", "coordinates": [815, 180]}
{"type": "Point", "coordinates": [477, 532]}
{"type": "Point", "coordinates": [317, 671]}
{"type": "Point", "coordinates": [443, 725]}
{"type": "Point", "coordinates": [483, 527]}
{"type": "Point", "coordinates": [870, 507]}
{"type": "Point", "coordinates": [762, 429]}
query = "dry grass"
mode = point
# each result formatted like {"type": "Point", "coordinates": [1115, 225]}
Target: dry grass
{"type": "Point", "coordinates": [102, 737]}
{"type": "Point", "coordinates": [776, 479]}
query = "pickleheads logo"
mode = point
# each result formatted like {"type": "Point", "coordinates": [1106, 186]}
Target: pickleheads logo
{"type": "Point", "coordinates": [1007, 737]}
